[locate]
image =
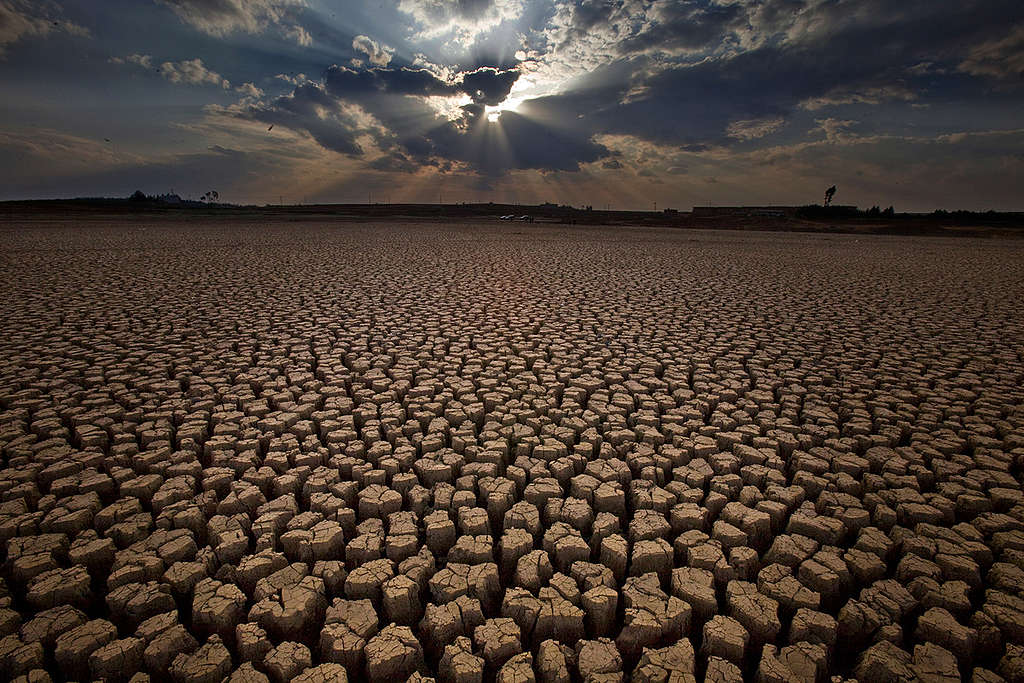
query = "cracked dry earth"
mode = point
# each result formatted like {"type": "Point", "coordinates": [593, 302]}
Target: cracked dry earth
{"type": "Point", "coordinates": [320, 452]}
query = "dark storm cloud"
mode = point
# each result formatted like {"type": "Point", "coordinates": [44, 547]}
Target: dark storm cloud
{"type": "Point", "coordinates": [589, 14]}
{"type": "Point", "coordinates": [388, 94]}
{"type": "Point", "coordinates": [310, 108]}
{"type": "Point", "coordinates": [395, 162]}
{"type": "Point", "coordinates": [472, 8]}
{"type": "Point", "coordinates": [486, 85]}
{"type": "Point", "coordinates": [514, 142]}
{"type": "Point", "coordinates": [807, 53]}
{"type": "Point", "coordinates": [341, 81]}
{"type": "Point", "coordinates": [688, 26]}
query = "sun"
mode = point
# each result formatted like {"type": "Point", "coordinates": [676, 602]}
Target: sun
{"type": "Point", "coordinates": [493, 113]}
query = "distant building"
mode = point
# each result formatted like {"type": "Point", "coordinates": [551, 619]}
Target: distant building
{"type": "Point", "coordinates": [752, 211]}
{"type": "Point", "coordinates": [765, 211]}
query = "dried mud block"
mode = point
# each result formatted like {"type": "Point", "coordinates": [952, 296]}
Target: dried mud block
{"type": "Point", "coordinates": [458, 617]}
{"type": "Point", "coordinates": [217, 607]}
{"type": "Point", "coordinates": [697, 588]}
{"type": "Point", "coordinates": [720, 670]}
{"type": "Point", "coordinates": [73, 648]}
{"type": "Point", "coordinates": [497, 640]}
{"type": "Point", "coordinates": [349, 625]}
{"type": "Point", "coordinates": [459, 664]}
{"type": "Point", "coordinates": [725, 637]}
{"type": "Point", "coordinates": [210, 663]}
{"type": "Point", "coordinates": [651, 616]}
{"type": "Point", "coordinates": [118, 660]}
{"type": "Point", "coordinates": [324, 673]}
{"type": "Point", "coordinates": [885, 661]}
{"type": "Point", "coordinates": [70, 586]}
{"type": "Point", "coordinates": [672, 663]}
{"type": "Point", "coordinates": [758, 613]}
{"type": "Point", "coordinates": [552, 662]}
{"type": "Point", "coordinates": [394, 653]}
{"type": "Point", "coordinates": [286, 661]}
{"type": "Point", "coordinates": [518, 669]}
{"type": "Point", "coordinates": [598, 658]}
{"type": "Point", "coordinates": [247, 673]}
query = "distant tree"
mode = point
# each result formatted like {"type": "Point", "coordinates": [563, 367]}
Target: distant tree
{"type": "Point", "coordinates": [890, 212]}
{"type": "Point", "coordinates": [829, 193]}
{"type": "Point", "coordinates": [137, 196]}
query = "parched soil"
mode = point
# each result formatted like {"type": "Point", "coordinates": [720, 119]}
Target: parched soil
{"type": "Point", "coordinates": [318, 452]}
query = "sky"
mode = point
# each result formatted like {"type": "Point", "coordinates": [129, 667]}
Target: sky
{"type": "Point", "coordinates": [621, 104]}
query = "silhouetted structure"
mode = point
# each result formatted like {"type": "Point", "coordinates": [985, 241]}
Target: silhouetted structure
{"type": "Point", "coordinates": [829, 193]}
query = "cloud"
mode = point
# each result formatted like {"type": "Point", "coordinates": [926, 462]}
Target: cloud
{"type": "Point", "coordinates": [834, 129]}
{"type": "Point", "coordinates": [867, 95]}
{"type": "Point", "coordinates": [398, 117]}
{"type": "Point", "coordinates": [298, 34]}
{"type": "Point", "coordinates": [463, 21]}
{"type": "Point", "coordinates": [684, 28]}
{"type": "Point", "coordinates": [145, 61]}
{"type": "Point", "coordinates": [346, 82]}
{"type": "Point", "coordinates": [223, 17]}
{"type": "Point", "coordinates": [334, 124]}
{"type": "Point", "coordinates": [186, 72]}
{"type": "Point", "coordinates": [512, 142]}
{"type": "Point", "coordinates": [192, 72]}
{"type": "Point", "coordinates": [694, 77]}
{"type": "Point", "coordinates": [1002, 58]}
{"type": "Point", "coordinates": [625, 76]}
{"type": "Point", "coordinates": [294, 79]}
{"type": "Point", "coordinates": [395, 162]}
{"type": "Point", "coordinates": [753, 129]}
{"type": "Point", "coordinates": [488, 85]}
{"type": "Point", "coordinates": [20, 19]}
{"type": "Point", "coordinates": [249, 90]}
{"type": "Point", "coordinates": [376, 54]}
{"type": "Point", "coordinates": [708, 63]}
